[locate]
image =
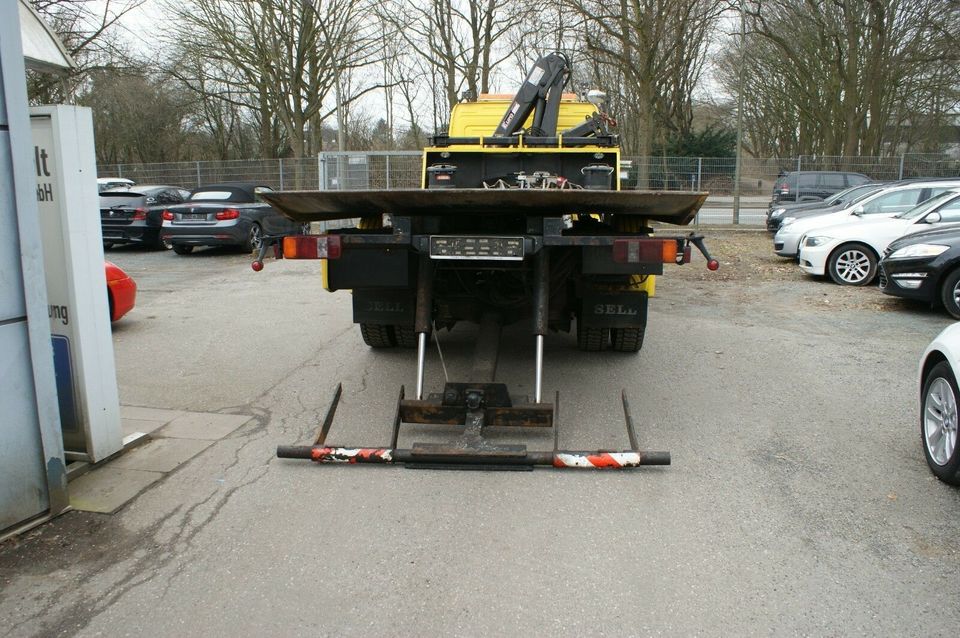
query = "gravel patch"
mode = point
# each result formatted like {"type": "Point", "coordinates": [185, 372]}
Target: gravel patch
{"type": "Point", "coordinates": [747, 257]}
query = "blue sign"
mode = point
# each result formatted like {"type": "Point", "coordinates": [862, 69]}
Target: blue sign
{"type": "Point", "coordinates": [63, 371]}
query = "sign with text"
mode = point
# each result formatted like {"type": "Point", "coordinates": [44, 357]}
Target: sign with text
{"type": "Point", "coordinates": [67, 200]}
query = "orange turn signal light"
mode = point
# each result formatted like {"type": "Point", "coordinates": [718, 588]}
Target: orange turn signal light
{"type": "Point", "coordinates": [645, 251]}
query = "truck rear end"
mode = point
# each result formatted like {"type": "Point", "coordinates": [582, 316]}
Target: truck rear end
{"type": "Point", "coordinates": [507, 228]}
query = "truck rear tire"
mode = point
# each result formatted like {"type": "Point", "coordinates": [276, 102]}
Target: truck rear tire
{"type": "Point", "coordinates": [627, 339]}
{"type": "Point", "coordinates": [592, 339]}
{"type": "Point", "coordinates": [377, 335]}
{"type": "Point", "coordinates": [405, 336]}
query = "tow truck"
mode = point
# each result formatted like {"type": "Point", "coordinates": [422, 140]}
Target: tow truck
{"type": "Point", "coordinates": [520, 218]}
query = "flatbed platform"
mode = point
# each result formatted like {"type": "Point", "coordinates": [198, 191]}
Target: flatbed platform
{"type": "Point", "coordinates": [671, 207]}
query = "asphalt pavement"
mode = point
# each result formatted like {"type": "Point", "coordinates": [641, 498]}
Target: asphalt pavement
{"type": "Point", "coordinates": [798, 501]}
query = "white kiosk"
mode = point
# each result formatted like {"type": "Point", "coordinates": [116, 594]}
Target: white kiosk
{"type": "Point", "coordinates": [66, 174]}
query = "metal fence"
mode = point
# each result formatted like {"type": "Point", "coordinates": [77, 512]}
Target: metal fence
{"type": "Point", "coordinates": [716, 174]}
{"type": "Point", "coordinates": [401, 169]}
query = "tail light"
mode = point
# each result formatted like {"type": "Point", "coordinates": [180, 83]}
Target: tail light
{"type": "Point", "coordinates": [228, 213]}
{"type": "Point", "coordinates": [311, 247]}
{"type": "Point", "coordinates": [140, 214]}
{"type": "Point", "coordinates": [167, 216]}
{"type": "Point", "coordinates": [645, 251]}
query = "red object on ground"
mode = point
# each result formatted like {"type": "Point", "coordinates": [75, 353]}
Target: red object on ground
{"type": "Point", "coordinates": [121, 291]}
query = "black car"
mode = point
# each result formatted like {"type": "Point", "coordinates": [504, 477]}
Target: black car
{"type": "Point", "coordinates": [132, 215]}
{"type": "Point", "coordinates": [925, 266]}
{"type": "Point", "coordinates": [803, 209]}
{"type": "Point", "coordinates": [227, 214]}
{"type": "Point", "coordinates": [802, 186]}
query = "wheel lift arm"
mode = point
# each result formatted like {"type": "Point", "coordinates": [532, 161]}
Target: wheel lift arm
{"type": "Point", "coordinates": [476, 405]}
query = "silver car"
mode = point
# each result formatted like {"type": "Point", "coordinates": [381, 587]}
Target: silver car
{"type": "Point", "coordinates": [887, 202]}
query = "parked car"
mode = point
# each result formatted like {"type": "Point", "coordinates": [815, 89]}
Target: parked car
{"type": "Point", "coordinates": [133, 215]}
{"type": "Point", "coordinates": [228, 214]}
{"type": "Point", "coordinates": [888, 201]}
{"type": "Point", "coordinates": [939, 398]}
{"type": "Point", "coordinates": [924, 266]}
{"type": "Point", "coordinates": [832, 204]}
{"type": "Point", "coordinates": [106, 183]}
{"type": "Point", "coordinates": [803, 186]}
{"type": "Point", "coordinates": [121, 291]}
{"type": "Point", "coordinates": [850, 252]}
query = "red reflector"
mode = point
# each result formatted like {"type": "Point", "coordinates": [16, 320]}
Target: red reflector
{"type": "Point", "coordinates": [167, 216]}
{"type": "Point", "coordinates": [140, 213]}
{"type": "Point", "coordinates": [311, 247]}
{"type": "Point", "coordinates": [228, 213]}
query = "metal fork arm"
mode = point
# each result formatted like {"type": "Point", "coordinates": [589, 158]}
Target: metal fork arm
{"type": "Point", "coordinates": [564, 459]}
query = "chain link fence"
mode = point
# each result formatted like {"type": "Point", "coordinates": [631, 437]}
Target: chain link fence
{"type": "Point", "coordinates": [402, 169]}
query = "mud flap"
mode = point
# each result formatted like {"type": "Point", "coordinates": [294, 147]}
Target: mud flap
{"type": "Point", "coordinates": [622, 309]}
{"type": "Point", "coordinates": [384, 306]}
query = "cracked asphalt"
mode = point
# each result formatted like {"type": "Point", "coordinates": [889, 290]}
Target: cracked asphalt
{"type": "Point", "coordinates": [798, 502]}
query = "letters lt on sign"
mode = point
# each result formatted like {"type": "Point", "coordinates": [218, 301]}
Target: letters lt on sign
{"type": "Point", "coordinates": [44, 189]}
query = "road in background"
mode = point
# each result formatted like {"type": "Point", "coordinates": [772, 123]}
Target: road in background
{"type": "Point", "coordinates": [798, 501]}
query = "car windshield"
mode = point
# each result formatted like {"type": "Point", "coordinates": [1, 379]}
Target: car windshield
{"type": "Point", "coordinates": [927, 206]}
{"type": "Point", "coordinates": [211, 195]}
{"type": "Point", "coordinates": [852, 194]}
{"type": "Point", "coordinates": [867, 192]}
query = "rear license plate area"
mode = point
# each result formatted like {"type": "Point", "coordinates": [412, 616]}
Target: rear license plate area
{"type": "Point", "coordinates": [448, 247]}
{"type": "Point", "coordinates": [194, 217]}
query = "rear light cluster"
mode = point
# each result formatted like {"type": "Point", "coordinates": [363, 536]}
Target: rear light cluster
{"type": "Point", "coordinates": [227, 213]}
{"type": "Point", "coordinates": [140, 214]}
{"type": "Point", "coordinates": [167, 216]}
{"type": "Point", "coordinates": [311, 247]}
{"type": "Point", "coordinates": [645, 251]}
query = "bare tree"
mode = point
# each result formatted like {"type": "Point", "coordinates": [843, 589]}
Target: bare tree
{"type": "Point", "coordinates": [650, 54]}
{"type": "Point", "coordinates": [847, 77]}
{"type": "Point", "coordinates": [88, 31]}
{"type": "Point", "coordinates": [289, 55]}
{"type": "Point", "coordinates": [136, 118]}
{"type": "Point", "coordinates": [462, 41]}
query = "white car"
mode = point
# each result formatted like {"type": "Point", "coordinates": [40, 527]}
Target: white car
{"type": "Point", "coordinates": [939, 398]}
{"type": "Point", "coordinates": [888, 202]}
{"type": "Point", "coordinates": [850, 252]}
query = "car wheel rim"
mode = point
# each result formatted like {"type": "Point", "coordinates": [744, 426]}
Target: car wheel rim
{"type": "Point", "coordinates": [255, 237]}
{"type": "Point", "coordinates": [956, 294]}
{"type": "Point", "coordinates": [940, 421]}
{"type": "Point", "coordinates": [853, 266]}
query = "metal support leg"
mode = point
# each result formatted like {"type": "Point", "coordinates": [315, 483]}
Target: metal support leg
{"type": "Point", "coordinates": [541, 312]}
{"type": "Point", "coordinates": [424, 316]}
{"type": "Point", "coordinates": [538, 385]}
{"type": "Point", "coordinates": [421, 361]}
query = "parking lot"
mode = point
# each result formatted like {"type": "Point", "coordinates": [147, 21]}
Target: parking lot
{"type": "Point", "coordinates": [798, 501]}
